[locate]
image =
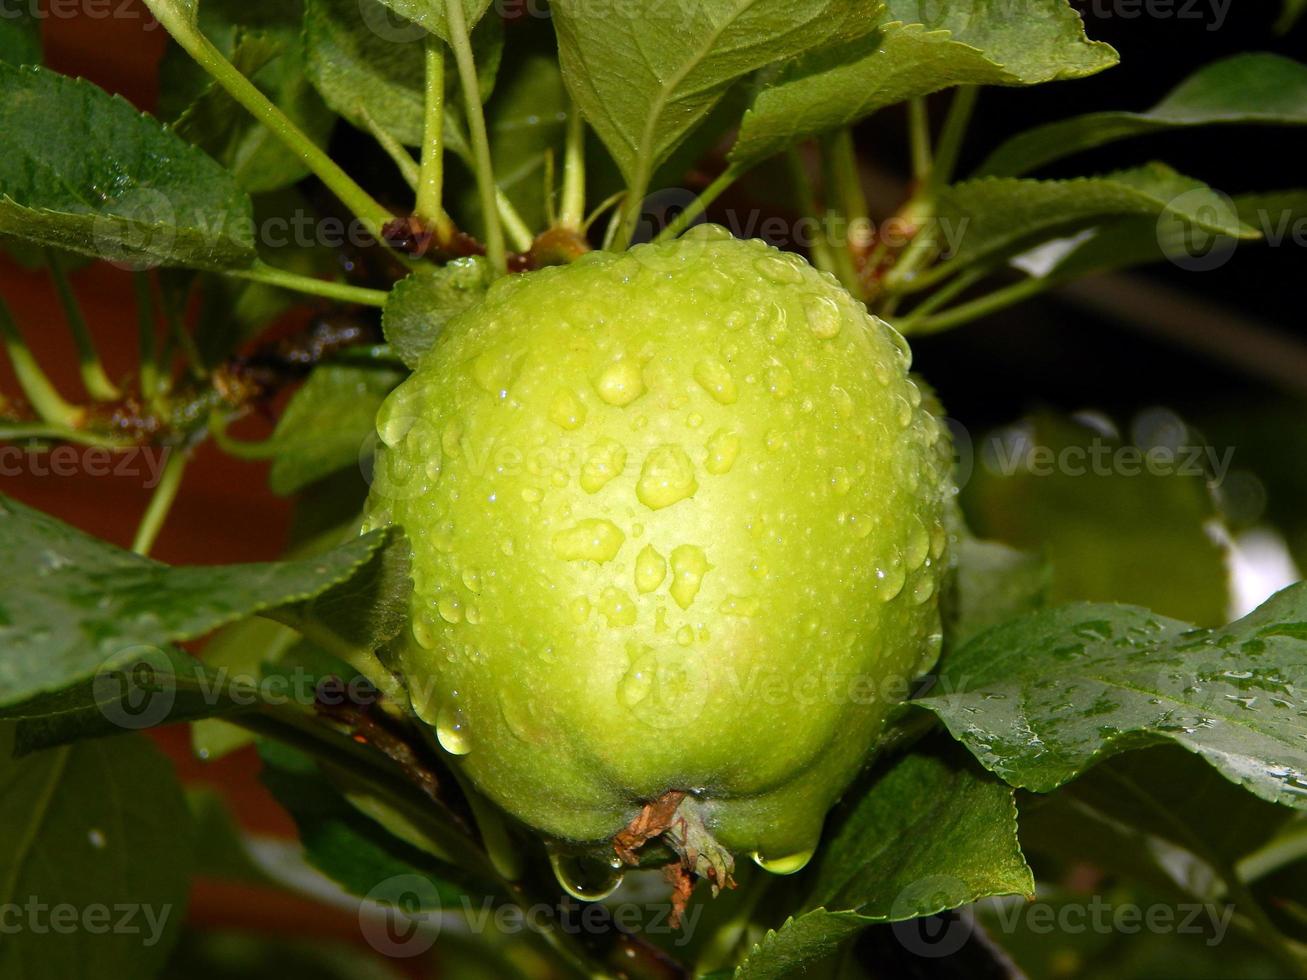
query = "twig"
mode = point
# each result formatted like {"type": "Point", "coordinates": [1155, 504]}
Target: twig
{"type": "Point", "coordinates": [272, 276]}
{"type": "Point", "coordinates": [476, 123]}
{"type": "Point", "coordinates": [431, 178]}
{"type": "Point", "coordinates": [161, 502]}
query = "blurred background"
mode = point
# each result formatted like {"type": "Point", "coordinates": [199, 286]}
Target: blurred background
{"type": "Point", "coordinates": [1163, 356]}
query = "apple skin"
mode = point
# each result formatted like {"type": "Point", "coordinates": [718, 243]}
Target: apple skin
{"type": "Point", "coordinates": [677, 520]}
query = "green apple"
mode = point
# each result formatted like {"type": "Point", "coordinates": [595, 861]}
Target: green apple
{"type": "Point", "coordinates": [677, 525]}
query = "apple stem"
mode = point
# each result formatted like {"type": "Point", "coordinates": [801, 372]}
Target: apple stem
{"type": "Point", "coordinates": [431, 178]}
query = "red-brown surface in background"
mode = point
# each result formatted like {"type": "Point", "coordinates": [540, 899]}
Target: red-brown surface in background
{"type": "Point", "coordinates": [225, 512]}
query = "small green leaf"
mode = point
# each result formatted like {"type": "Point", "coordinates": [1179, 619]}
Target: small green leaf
{"type": "Point", "coordinates": [836, 86]}
{"type": "Point", "coordinates": [328, 422]}
{"type": "Point", "coordinates": [1038, 701]}
{"type": "Point", "coordinates": [83, 170]}
{"type": "Point", "coordinates": [931, 816]}
{"type": "Point", "coordinates": [931, 833]}
{"type": "Point", "coordinates": [421, 305]}
{"type": "Point", "coordinates": [74, 606]}
{"type": "Point", "coordinates": [96, 827]}
{"type": "Point", "coordinates": [362, 75]}
{"type": "Point", "coordinates": [375, 78]}
{"type": "Point", "coordinates": [645, 77]}
{"type": "Point", "coordinates": [1246, 89]}
{"type": "Point", "coordinates": [982, 219]}
{"type": "Point", "coordinates": [430, 14]}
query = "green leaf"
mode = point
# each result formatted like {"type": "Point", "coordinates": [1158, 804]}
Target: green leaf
{"type": "Point", "coordinates": [1036, 40]}
{"type": "Point", "coordinates": [1040, 700]}
{"type": "Point", "coordinates": [1117, 522]}
{"type": "Point", "coordinates": [94, 827]}
{"type": "Point", "coordinates": [363, 76]}
{"type": "Point", "coordinates": [931, 815]}
{"type": "Point", "coordinates": [75, 606]}
{"type": "Point", "coordinates": [421, 305]}
{"type": "Point", "coordinates": [1173, 795]}
{"type": "Point", "coordinates": [993, 583]}
{"type": "Point", "coordinates": [836, 86]}
{"type": "Point", "coordinates": [1246, 89]}
{"type": "Point", "coordinates": [83, 170]}
{"type": "Point", "coordinates": [787, 952]}
{"type": "Point", "coordinates": [376, 78]}
{"type": "Point", "coordinates": [428, 13]}
{"type": "Point", "coordinates": [993, 216]}
{"type": "Point", "coordinates": [150, 688]}
{"type": "Point", "coordinates": [645, 77]}
{"type": "Point", "coordinates": [20, 37]}
{"type": "Point", "coordinates": [931, 833]}
{"type": "Point", "coordinates": [328, 422]}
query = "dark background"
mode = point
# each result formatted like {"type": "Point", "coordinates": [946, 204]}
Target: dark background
{"type": "Point", "coordinates": [1056, 353]}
